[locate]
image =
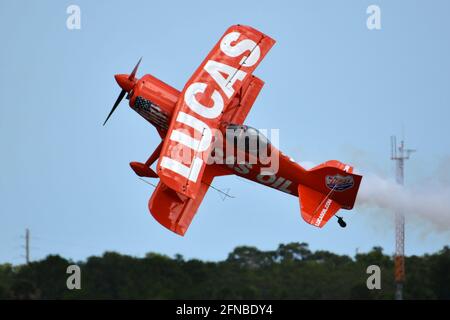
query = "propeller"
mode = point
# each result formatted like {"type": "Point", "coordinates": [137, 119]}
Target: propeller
{"type": "Point", "coordinates": [126, 83]}
{"type": "Point", "coordinates": [119, 98]}
{"type": "Point", "coordinates": [133, 73]}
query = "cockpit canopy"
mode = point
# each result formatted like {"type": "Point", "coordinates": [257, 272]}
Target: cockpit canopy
{"type": "Point", "coordinates": [248, 138]}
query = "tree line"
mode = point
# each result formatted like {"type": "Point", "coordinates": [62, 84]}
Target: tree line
{"type": "Point", "coordinates": [292, 271]}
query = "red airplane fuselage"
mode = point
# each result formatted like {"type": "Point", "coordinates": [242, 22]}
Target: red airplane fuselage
{"type": "Point", "coordinates": [155, 101]}
{"type": "Point", "coordinates": [217, 99]}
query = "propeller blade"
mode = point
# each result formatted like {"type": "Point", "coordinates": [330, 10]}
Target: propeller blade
{"type": "Point", "coordinates": [133, 73]}
{"type": "Point", "coordinates": [119, 98]}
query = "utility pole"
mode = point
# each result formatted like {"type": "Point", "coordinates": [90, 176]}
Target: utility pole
{"type": "Point", "coordinates": [399, 155]}
{"type": "Point", "coordinates": [27, 245]}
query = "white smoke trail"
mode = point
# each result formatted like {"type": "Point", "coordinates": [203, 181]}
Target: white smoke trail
{"type": "Point", "coordinates": [429, 201]}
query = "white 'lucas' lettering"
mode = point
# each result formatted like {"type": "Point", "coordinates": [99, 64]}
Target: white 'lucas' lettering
{"type": "Point", "coordinates": [216, 71]}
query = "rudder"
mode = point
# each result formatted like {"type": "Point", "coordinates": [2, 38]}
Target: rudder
{"type": "Point", "coordinates": [327, 188]}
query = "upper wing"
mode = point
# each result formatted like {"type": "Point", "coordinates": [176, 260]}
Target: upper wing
{"type": "Point", "coordinates": [203, 102]}
{"type": "Point", "coordinates": [243, 101]}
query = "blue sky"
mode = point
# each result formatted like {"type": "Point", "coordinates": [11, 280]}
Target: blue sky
{"type": "Point", "coordinates": [334, 89]}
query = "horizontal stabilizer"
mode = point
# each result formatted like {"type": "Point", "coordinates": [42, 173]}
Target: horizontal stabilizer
{"type": "Point", "coordinates": [326, 189]}
{"type": "Point", "coordinates": [316, 208]}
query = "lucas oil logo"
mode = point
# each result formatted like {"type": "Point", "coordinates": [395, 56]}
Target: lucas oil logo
{"type": "Point", "coordinates": [339, 183]}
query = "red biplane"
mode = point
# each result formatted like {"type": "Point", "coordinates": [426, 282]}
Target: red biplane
{"type": "Point", "coordinates": [217, 99]}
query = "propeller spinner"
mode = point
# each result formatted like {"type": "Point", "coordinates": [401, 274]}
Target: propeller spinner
{"type": "Point", "coordinates": [126, 82]}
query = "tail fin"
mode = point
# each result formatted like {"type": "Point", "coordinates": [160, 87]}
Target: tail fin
{"type": "Point", "coordinates": [327, 188]}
